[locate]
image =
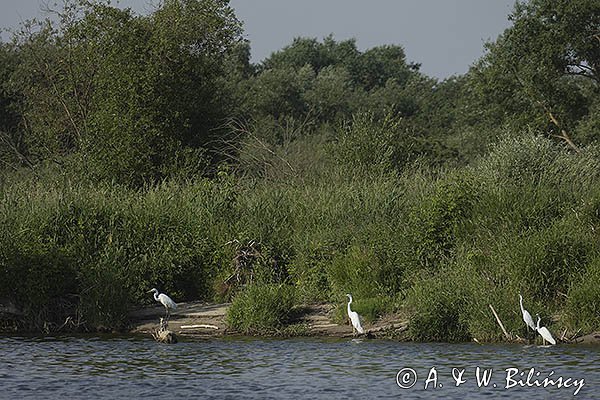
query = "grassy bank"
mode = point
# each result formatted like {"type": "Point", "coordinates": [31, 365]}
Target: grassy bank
{"type": "Point", "coordinates": [439, 245]}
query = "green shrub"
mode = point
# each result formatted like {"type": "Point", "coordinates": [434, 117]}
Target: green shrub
{"type": "Point", "coordinates": [262, 309]}
{"type": "Point", "coordinates": [353, 272]}
{"type": "Point", "coordinates": [368, 143]}
{"type": "Point", "coordinates": [582, 310]}
{"type": "Point", "coordinates": [309, 270]}
{"type": "Point", "coordinates": [104, 297]}
{"type": "Point", "coordinates": [547, 259]}
{"type": "Point", "coordinates": [42, 281]}
{"type": "Point", "coordinates": [437, 306]}
{"type": "Point", "coordinates": [371, 270]}
{"type": "Point", "coordinates": [454, 304]}
{"type": "Point", "coordinates": [436, 221]}
{"type": "Point", "coordinates": [485, 284]}
{"type": "Point", "coordinates": [369, 309]}
{"type": "Point", "coordinates": [93, 252]}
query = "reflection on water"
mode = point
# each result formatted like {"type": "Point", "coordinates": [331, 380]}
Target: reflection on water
{"type": "Point", "coordinates": [236, 368]}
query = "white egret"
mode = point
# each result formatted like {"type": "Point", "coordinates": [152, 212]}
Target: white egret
{"type": "Point", "coordinates": [526, 316]}
{"type": "Point", "coordinates": [164, 300]}
{"type": "Point", "coordinates": [544, 332]}
{"type": "Point", "coordinates": [354, 318]}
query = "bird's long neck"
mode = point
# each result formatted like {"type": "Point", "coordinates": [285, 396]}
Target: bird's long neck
{"type": "Point", "coordinates": [156, 296]}
{"type": "Point", "coordinates": [521, 303]}
{"type": "Point", "coordinates": [538, 323]}
{"type": "Point", "coordinates": [349, 302]}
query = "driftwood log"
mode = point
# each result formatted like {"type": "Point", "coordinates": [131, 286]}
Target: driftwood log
{"type": "Point", "coordinates": [199, 326]}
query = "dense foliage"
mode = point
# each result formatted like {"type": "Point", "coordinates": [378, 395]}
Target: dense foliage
{"type": "Point", "coordinates": [124, 98]}
{"type": "Point", "coordinates": [148, 151]}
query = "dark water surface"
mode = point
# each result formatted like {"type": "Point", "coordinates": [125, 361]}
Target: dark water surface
{"type": "Point", "coordinates": [240, 368]}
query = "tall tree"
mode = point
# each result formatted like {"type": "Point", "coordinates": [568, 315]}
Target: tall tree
{"type": "Point", "coordinates": [544, 65]}
{"type": "Point", "coordinates": [133, 98]}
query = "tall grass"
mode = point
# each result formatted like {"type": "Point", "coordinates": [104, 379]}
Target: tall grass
{"type": "Point", "coordinates": [440, 244]}
{"type": "Point", "coordinates": [530, 228]}
{"type": "Point", "coordinates": [100, 248]}
{"type": "Point", "coordinates": [262, 309]}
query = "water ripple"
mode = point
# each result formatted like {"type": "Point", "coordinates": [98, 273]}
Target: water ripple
{"type": "Point", "coordinates": [135, 367]}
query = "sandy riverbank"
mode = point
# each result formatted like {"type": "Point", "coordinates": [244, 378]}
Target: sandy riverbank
{"type": "Point", "coordinates": [204, 319]}
{"type": "Point", "coordinates": [201, 319]}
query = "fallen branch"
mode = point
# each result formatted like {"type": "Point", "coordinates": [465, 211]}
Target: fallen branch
{"type": "Point", "coordinates": [563, 337]}
{"type": "Point", "coordinates": [199, 326]}
{"type": "Point", "coordinates": [508, 337]}
{"type": "Point", "coordinates": [322, 326]}
{"type": "Point", "coordinates": [575, 335]}
{"type": "Point", "coordinates": [519, 339]}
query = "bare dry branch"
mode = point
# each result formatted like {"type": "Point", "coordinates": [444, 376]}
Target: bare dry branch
{"type": "Point", "coordinates": [508, 337]}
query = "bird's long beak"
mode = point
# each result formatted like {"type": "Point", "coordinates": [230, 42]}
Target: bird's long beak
{"type": "Point", "coordinates": [149, 291]}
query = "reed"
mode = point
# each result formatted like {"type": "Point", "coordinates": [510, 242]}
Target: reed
{"type": "Point", "coordinates": [438, 244]}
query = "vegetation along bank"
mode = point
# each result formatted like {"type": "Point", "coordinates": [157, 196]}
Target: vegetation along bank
{"type": "Point", "coordinates": [147, 151]}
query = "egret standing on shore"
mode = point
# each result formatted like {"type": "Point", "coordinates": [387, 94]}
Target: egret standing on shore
{"type": "Point", "coordinates": [526, 316]}
{"type": "Point", "coordinates": [354, 318]}
{"type": "Point", "coordinates": [544, 332]}
{"type": "Point", "coordinates": [164, 300]}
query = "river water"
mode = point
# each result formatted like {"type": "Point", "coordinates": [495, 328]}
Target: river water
{"type": "Point", "coordinates": [240, 368]}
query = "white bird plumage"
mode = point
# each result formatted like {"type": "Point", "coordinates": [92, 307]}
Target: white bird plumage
{"type": "Point", "coordinates": [544, 332]}
{"type": "Point", "coordinates": [354, 318]}
{"type": "Point", "coordinates": [164, 300]}
{"type": "Point", "coordinates": [526, 316]}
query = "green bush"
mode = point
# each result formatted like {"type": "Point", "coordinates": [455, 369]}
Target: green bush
{"type": "Point", "coordinates": [42, 281]}
{"type": "Point", "coordinates": [582, 310]}
{"type": "Point", "coordinates": [368, 143]}
{"type": "Point", "coordinates": [367, 271]}
{"type": "Point", "coordinates": [122, 97]}
{"type": "Point", "coordinates": [437, 220]}
{"type": "Point", "coordinates": [309, 270]}
{"type": "Point", "coordinates": [437, 305]}
{"type": "Point", "coordinates": [547, 259]}
{"type": "Point", "coordinates": [262, 309]}
{"type": "Point", "coordinates": [369, 309]}
{"type": "Point", "coordinates": [453, 305]}
{"type": "Point", "coordinates": [353, 272]}
{"type": "Point", "coordinates": [96, 251]}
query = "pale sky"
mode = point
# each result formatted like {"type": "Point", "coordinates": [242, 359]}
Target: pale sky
{"type": "Point", "coordinates": [445, 36]}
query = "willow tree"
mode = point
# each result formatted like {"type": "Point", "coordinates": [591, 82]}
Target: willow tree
{"type": "Point", "coordinates": [545, 68]}
{"type": "Point", "coordinates": [128, 98]}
